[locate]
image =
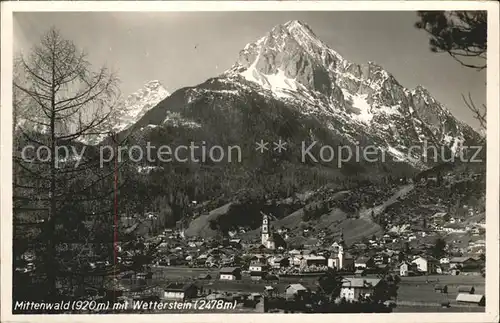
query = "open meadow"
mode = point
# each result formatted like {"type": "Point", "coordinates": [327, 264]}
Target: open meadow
{"type": "Point", "coordinates": [419, 292]}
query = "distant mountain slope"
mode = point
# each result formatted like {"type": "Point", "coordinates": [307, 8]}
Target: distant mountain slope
{"type": "Point", "coordinates": [291, 84]}
{"type": "Point", "coordinates": [130, 110]}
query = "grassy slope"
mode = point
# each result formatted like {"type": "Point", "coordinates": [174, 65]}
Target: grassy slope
{"type": "Point", "coordinates": [200, 227]}
{"type": "Point", "coordinates": [409, 203]}
{"type": "Point", "coordinates": [336, 220]}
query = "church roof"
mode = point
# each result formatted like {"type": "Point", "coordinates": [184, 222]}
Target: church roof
{"type": "Point", "coordinates": [229, 270]}
{"type": "Point", "coordinates": [313, 257]}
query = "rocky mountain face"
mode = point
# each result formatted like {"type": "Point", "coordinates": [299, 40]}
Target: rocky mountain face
{"type": "Point", "coordinates": [297, 66]}
{"type": "Point", "coordinates": [320, 95]}
{"type": "Point", "coordinates": [290, 86]}
{"type": "Point", "coordinates": [138, 103]}
{"type": "Point", "coordinates": [131, 109]}
{"type": "Point", "coordinates": [125, 114]}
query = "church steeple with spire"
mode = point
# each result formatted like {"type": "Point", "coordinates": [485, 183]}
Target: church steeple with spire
{"type": "Point", "coordinates": [341, 240]}
{"type": "Point", "coordinates": [341, 249]}
{"type": "Point", "coordinates": [267, 239]}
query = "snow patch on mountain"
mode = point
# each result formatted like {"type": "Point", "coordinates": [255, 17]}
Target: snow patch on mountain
{"type": "Point", "coordinates": [149, 126]}
{"type": "Point", "coordinates": [398, 155]}
{"type": "Point", "coordinates": [175, 119]}
{"type": "Point", "coordinates": [393, 110]}
{"type": "Point", "coordinates": [358, 103]}
{"type": "Point", "coordinates": [278, 83]}
{"type": "Point", "coordinates": [32, 125]}
{"type": "Point", "coordinates": [292, 64]}
{"type": "Point", "coordinates": [137, 104]}
{"type": "Point", "coordinates": [402, 157]}
{"type": "Point", "coordinates": [303, 34]}
{"type": "Point", "coordinates": [455, 143]}
{"type": "Point", "coordinates": [130, 110]}
{"type": "Point", "coordinates": [147, 169]}
{"type": "Point", "coordinates": [364, 109]}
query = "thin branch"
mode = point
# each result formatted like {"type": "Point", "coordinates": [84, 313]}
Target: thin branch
{"type": "Point", "coordinates": [479, 112]}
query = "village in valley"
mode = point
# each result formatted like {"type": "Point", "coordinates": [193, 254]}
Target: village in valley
{"type": "Point", "coordinates": [384, 273]}
{"type": "Point", "coordinates": [433, 263]}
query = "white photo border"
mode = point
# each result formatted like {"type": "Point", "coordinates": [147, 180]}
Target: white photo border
{"type": "Point", "coordinates": [491, 313]}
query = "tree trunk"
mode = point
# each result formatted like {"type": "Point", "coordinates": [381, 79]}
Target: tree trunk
{"type": "Point", "coordinates": [51, 254]}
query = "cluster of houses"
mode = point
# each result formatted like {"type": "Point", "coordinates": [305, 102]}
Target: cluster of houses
{"type": "Point", "coordinates": [265, 267]}
{"type": "Point", "coordinates": [269, 261]}
{"type": "Point", "coordinates": [295, 262]}
{"type": "Point", "coordinates": [352, 289]}
{"type": "Point", "coordinates": [446, 265]}
{"type": "Point", "coordinates": [261, 260]}
{"type": "Point", "coordinates": [456, 224]}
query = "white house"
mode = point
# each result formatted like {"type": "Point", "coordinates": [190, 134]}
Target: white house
{"type": "Point", "coordinates": [333, 261]}
{"type": "Point", "coordinates": [361, 262]}
{"type": "Point", "coordinates": [387, 238]}
{"type": "Point", "coordinates": [257, 270]}
{"type": "Point", "coordinates": [453, 227]}
{"type": "Point", "coordinates": [404, 269]}
{"type": "Point", "coordinates": [444, 260]}
{"type": "Point", "coordinates": [279, 262]}
{"type": "Point", "coordinates": [426, 265]}
{"type": "Point", "coordinates": [294, 290]}
{"type": "Point", "coordinates": [257, 267]}
{"type": "Point", "coordinates": [296, 260]}
{"type": "Point", "coordinates": [230, 273]}
{"type": "Point", "coordinates": [407, 269]}
{"type": "Point", "coordinates": [180, 292]}
{"type": "Point", "coordinates": [353, 288]}
{"type": "Point", "coordinates": [421, 263]}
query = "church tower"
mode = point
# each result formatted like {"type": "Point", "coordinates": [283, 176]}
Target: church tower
{"type": "Point", "coordinates": [265, 230]}
{"type": "Point", "coordinates": [267, 238]}
{"type": "Point", "coordinates": [341, 256]}
{"type": "Point", "coordinates": [341, 250]}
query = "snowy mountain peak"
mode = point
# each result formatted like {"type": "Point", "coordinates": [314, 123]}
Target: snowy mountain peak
{"type": "Point", "coordinates": [297, 29]}
{"type": "Point", "coordinates": [296, 24]}
{"type": "Point", "coordinates": [291, 63]}
{"type": "Point", "coordinates": [358, 103]}
{"type": "Point", "coordinates": [138, 103]}
{"type": "Point", "coordinates": [288, 58]}
{"type": "Point", "coordinates": [130, 110]}
{"type": "Point", "coordinates": [154, 85]}
{"type": "Point", "coordinates": [305, 36]}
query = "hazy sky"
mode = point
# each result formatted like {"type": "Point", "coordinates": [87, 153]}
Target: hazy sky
{"type": "Point", "coordinates": [161, 46]}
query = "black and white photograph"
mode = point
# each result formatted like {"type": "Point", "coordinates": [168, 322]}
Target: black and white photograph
{"type": "Point", "coordinates": [245, 161]}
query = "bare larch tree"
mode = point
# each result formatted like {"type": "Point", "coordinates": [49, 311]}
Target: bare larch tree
{"type": "Point", "coordinates": [63, 194]}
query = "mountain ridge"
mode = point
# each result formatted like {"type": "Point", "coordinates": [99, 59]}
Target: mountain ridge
{"type": "Point", "coordinates": [361, 103]}
{"type": "Point", "coordinates": [130, 110]}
